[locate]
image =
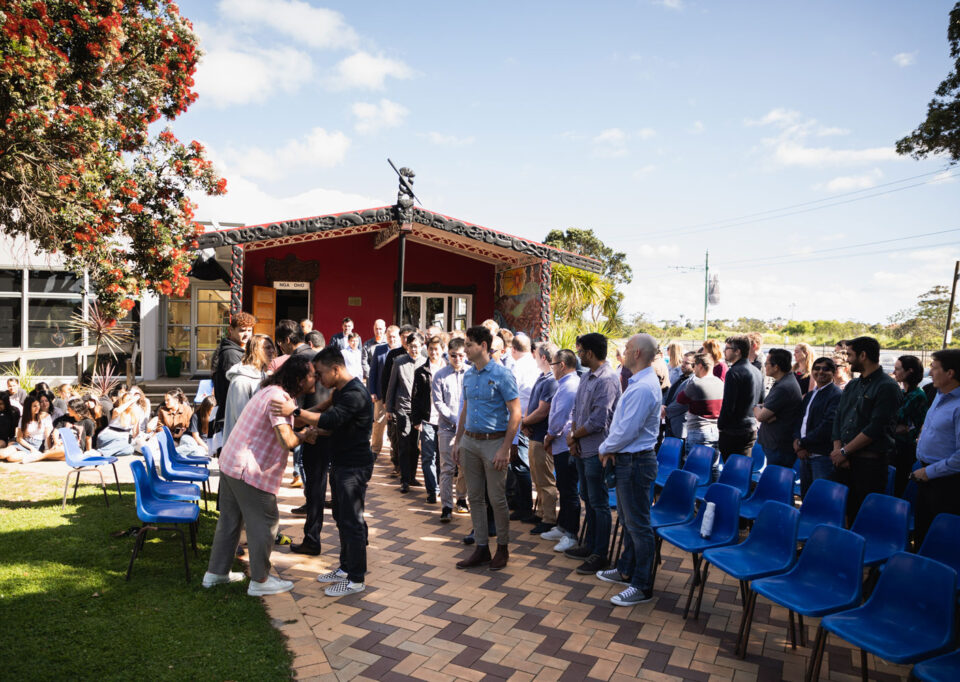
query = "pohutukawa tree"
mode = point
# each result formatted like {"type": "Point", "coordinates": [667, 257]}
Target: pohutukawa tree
{"type": "Point", "coordinates": [81, 172]}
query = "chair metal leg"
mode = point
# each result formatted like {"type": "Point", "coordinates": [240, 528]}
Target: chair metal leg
{"type": "Point", "coordinates": [746, 596]}
{"type": "Point", "coordinates": [76, 483]}
{"type": "Point", "coordinates": [183, 544]}
{"type": "Point", "coordinates": [193, 538]}
{"type": "Point", "coordinates": [137, 546]}
{"type": "Point", "coordinates": [745, 640]}
{"type": "Point", "coordinates": [793, 630]}
{"type": "Point", "coordinates": [694, 582]}
{"type": "Point", "coordinates": [613, 539]}
{"type": "Point", "coordinates": [103, 485]}
{"type": "Point", "coordinates": [864, 673]}
{"type": "Point", "coordinates": [703, 583]}
{"type": "Point", "coordinates": [66, 486]}
{"type": "Point", "coordinates": [656, 560]}
{"type": "Point", "coordinates": [117, 479]}
{"type": "Point", "coordinates": [803, 633]}
{"type": "Point", "coordinates": [816, 658]}
{"type": "Point", "coordinates": [206, 488]}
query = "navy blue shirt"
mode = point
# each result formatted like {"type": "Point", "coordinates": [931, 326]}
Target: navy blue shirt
{"type": "Point", "coordinates": [542, 391]}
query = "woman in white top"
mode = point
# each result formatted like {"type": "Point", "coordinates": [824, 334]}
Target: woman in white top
{"type": "Point", "coordinates": [33, 435]}
{"type": "Point", "coordinates": [117, 439]}
{"type": "Point", "coordinates": [245, 378]}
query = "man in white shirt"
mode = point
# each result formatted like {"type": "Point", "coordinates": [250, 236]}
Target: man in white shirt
{"type": "Point", "coordinates": [526, 372]}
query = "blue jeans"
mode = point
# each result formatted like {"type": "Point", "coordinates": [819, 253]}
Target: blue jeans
{"type": "Point", "coordinates": [568, 519]}
{"type": "Point", "coordinates": [594, 493]}
{"type": "Point", "coordinates": [428, 456]}
{"type": "Point", "coordinates": [635, 477]}
{"type": "Point", "coordinates": [781, 458]}
{"type": "Point", "coordinates": [813, 468]}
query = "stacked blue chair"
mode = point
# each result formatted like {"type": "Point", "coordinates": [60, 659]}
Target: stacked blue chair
{"type": "Point", "coordinates": [884, 523]}
{"type": "Point", "coordinates": [775, 485]}
{"type": "Point", "coordinates": [675, 505]}
{"type": "Point", "coordinates": [909, 616]}
{"type": "Point", "coordinates": [153, 511]}
{"type": "Point", "coordinates": [668, 459]}
{"type": "Point", "coordinates": [940, 669]}
{"type": "Point", "coordinates": [735, 473]}
{"type": "Point", "coordinates": [191, 460]}
{"type": "Point", "coordinates": [78, 463]}
{"type": "Point", "coordinates": [891, 480]}
{"type": "Point", "coordinates": [796, 478]}
{"type": "Point", "coordinates": [942, 542]}
{"type": "Point", "coordinates": [167, 490]}
{"type": "Point", "coordinates": [825, 504]}
{"type": "Point", "coordinates": [726, 531]}
{"type": "Point", "coordinates": [771, 548]}
{"type": "Point", "coordinates": [827, 578]}
{"type": "Point", "coordinates": [759, 460]}
{"type": "Point", "coordinates": [699, 462]}
{"type": "Point", "coordinates": [173, 471]}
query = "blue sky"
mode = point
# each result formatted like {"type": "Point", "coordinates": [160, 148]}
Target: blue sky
{"type": "Point", "coordinates": [648, 121]}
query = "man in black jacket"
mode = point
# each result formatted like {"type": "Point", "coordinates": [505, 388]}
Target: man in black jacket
{"type": "Point", "coordinates": [347, 418]}
{"type": "Point", "coordinates": [742, 390]}
{"type": "Point", "coordinates": [424, 416]}
{"type": "Point", "coordinates": [383, 383]}
{"type": "Point", "coordinates": [813, 435]}
{"type": "Point", "coordinates": [228, 353]}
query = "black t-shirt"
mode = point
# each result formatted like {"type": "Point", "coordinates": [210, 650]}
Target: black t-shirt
{"type": "Point", "coordinates": [9, 420]}
{"type": "Point", "coordinates": [195, 426]}
{"type": "Point", "coordinates": [87, 428]}
{"type": "Point", "coordinates": [350, 419]}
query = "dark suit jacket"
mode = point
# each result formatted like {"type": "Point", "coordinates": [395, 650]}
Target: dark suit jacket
{"type": "Point", "coordinates": [421, 399]}
{"type": "Point", "coordinates": [819, 439]}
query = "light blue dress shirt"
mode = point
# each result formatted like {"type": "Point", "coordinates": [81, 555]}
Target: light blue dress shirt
{"type": "Point", "coordinates": [939, 443]}
{"type": "Point", "coordinates": [561, 412]}
{"type": "Point", "coordinates": [487, 393]}
{"type": "Point", "coordinates": [636, 420]}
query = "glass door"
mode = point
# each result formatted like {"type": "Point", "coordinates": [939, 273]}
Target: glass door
{"type": "Point", "coordinates": [212, 316]}
{"type": "Point", "coordinates": [179, 328]}
{"type": "Point", "coordinates": [448, 311]}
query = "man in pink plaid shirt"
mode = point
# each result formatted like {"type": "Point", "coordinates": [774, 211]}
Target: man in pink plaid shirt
{"type": "Point", "coordinates": [252, 463]}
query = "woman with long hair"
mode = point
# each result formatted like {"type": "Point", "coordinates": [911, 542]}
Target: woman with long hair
{"type": "Point", "coordinates": [194, 441]}
{"type": "Point", "coordinates": [802, 365]}
{"type": "Point", "coordinates": [116, 440]}
{"type": "Point", "coordinates": [675, 360]}
{"type": "Point", "coordinates": [713, 347]}
{"type": "Point", "coordinates": [245, 378]}
{"type": "Point", "coordinates": [175, 414]}
{"type": "Point", "coordinates": [33, 434]}
{"type": "Point", "coordinates": [908, 371]}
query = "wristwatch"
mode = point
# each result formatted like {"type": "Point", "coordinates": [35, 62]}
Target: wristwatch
{"type": "Point", "coordinates": [296, 412]}
{"type": "Point", "coordinates": [843, 452]}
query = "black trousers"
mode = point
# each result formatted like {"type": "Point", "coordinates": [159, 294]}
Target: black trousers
{"type": "Point", "coordinates": [936, 496]}
{"type": "Point", "coordinates": [736, 443]}
{"type": "Point", "coordinates": [349, 490]}
{"type": "Point", "coordinates": [316, 464]}
{"type": "Point", "coordinates": [862, 477]}
{"type": "Point", "coordinates": [409, 448]}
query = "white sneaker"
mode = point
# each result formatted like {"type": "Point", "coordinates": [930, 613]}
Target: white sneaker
{"type": "Point", "coordinates": [211, 579]}
{"type": "Point", "coordinates": [271, 585]}
{"type": "Point", "coordinates": [555, 533]}
{"type": "Point", "coordinates": [343, 588]}
{"type": "Point", "coordinates": [336, 576]}
{"type": "Point", "coordinates": [566, 543]}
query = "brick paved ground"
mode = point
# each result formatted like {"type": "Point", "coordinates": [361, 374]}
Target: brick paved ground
{"type": "Point", "coordinates": [421, 618]}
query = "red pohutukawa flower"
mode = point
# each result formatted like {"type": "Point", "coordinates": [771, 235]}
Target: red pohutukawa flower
{"type": "Point", "coordinates": [80, 82]}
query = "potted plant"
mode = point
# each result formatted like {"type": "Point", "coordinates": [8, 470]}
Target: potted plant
{"type": "Point", "coordinates": [173, 363]}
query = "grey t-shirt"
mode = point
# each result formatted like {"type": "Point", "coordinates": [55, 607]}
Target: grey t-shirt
{"type": "Point", "coordinates": [785, 400]}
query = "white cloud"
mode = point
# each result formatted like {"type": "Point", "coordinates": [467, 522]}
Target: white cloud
{"type": "Point", "coordinates": [944, 177]}
{"type": "Point", "coordinates": [644, 171]}
{"type": "Point", "coordinates": [318, 149]}
{"type": "Point", "coordinates": [246, 203]}
{"type": "Point", "coordinates": [847, 183]}
{"type": "Point", "coordinates": [313, 26]}
{"type": "Point", "coordinates": [443, 140]}
{"type": "Point", "coordinates": [696, 128]}
{"type": "Point", "coordinates": [655, 251]}
{"type": "Point", "coordinates": [670, 4]}
{"type": "Point", "coordinates": [364, 70]}
{"type": "Point", "coordinates": [903, 59]}
{"type": "Point", "coordinates": [612, 142]}
{"type": "Point", "coordinates": [789, 146]}
{"type": "Point", "coordinates": [228, 75]}
{"type": "Point", "coordinates": [372, 118]}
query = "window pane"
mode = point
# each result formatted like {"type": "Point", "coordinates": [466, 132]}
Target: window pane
{"type": "Point", "coordinates": [10, 318]}
{"type": "Point", "coordinates": [49, 320]}
{"type": "Point", "coordinates": [435, 314]}
{"type": "Point", "coordinates": [50, 367]}
{"type": "Point", "coordinates": [209, 337]}
{"type": "Point", "coordinates": [55, 282]}
{"type": "Point", "coordinates": [11, 280]}
{"type": "Point", "coordinates": [178, 337]}
{"type": "Point", "coordinates": [411, 311]}
{"type": "Point", "coordinates": [460, 313]}
{"type": "Point", "coordinates": [178, 312]}
{"type": "Point", "coordinates": [213, 295]}
{"type": "Point", "coordinates": [204, 360]}
{"type": "Point", "coordinates": [213, 313]}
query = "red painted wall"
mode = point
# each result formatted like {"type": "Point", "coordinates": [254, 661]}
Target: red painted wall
{"type": "Point", "coordinates": [350, 267]}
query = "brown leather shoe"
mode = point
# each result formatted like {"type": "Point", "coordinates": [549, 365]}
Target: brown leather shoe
{"type": "Point", "coordinates": [480, 556]}
{"type": "Point", "coordinates": [500, 558]}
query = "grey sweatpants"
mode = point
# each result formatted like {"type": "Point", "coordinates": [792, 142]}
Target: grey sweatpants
{"type": "Point", "coordinates": [243, 505]}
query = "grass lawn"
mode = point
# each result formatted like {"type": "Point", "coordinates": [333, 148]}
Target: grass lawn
{"type": "Point", "coordinates": [66, 611]}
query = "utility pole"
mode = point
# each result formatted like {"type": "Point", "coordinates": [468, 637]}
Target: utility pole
{"type": "Point", "coordinates": [706, 290]}
{"type": "Point", "coordinates": [948, 330]}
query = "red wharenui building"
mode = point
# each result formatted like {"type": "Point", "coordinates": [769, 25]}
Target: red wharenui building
{"type": "Point", "coordinates": [376, 263]}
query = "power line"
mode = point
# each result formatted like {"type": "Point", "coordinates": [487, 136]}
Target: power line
{"type": "Point", "coordinates": [819, 259]}
{"type": "Point", "coordinates": [718, 225]}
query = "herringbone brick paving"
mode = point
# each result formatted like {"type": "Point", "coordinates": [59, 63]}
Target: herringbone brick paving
{"type": "Point", "coordinates": [421, 618]}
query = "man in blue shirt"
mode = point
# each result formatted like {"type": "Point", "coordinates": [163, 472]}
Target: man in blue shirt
{"type": "Point", "coordinates": [534, 426]}
{"type": "Point", "coordinates": [629, 446]}
{"type": "Point", "coordinates": [564, 366]}
{"type": "Point", "coordinates": [488, 422]}
{"type": "Point", "coordinates": [938, 449]}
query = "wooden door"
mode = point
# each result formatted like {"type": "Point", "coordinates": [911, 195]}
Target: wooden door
{"type": "Point", "coordinates": [265, 310]}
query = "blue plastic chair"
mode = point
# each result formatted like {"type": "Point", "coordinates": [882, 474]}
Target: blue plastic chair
{"type": "Point", "coordinates": [940, 669]}
{"type": "Point", "coordinates": [668, 459]}
{"type": "Point", "coordinates": [153, 511]}
{"type": "Point", "coordinates": [78, 463]}
{"type": "Point", "coordinates": [190, 460]}
{"type": "Point", "coordinates": [675, 505]}
{"type": "Point", "coordinates": [183, 473]}
{"type": "Point", "coordinates": [909, 616]}
{"type": "Point", "coordinates": [796, 478]}
{"type": "Point", "coordinates": [759, 460]}
{"type": "Point", "coordinates": [771, 548]}
{"type": "Point", "coordinates": [726, 531]}
{"type": "Point", "coordinates": [735, 473]}
{"type": "Point", "coordinates": [776, 485]}
{"type": "Point", "coordinates": [884, 523]}
{"type": "Point", "coordinates": [828, 577]}
{"type": "Point", "coordinates": [825, 504]}
{"type": "Point", "coordinates": [699, 462]}
{"type": "Point", "coordinates": [942, 542]}
{"type": "Point", "coordinates": [167, 490]}
{"type": "Point", "coordinates": [891, 480]}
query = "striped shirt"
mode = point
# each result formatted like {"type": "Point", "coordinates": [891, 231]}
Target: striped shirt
{"type": "Point", "coordinates": [252, 452]}
{"type": "Point", "coordinates": [703, 396]}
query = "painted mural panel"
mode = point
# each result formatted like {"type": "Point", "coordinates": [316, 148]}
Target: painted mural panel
{"type": "Point", "coordinates": [520, 300]}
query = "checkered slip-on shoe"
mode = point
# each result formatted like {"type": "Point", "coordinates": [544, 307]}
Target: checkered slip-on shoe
{"type": "Point", "coordinates": [343, 588]}
{"type": "Point", "coordinates": [336, 576]}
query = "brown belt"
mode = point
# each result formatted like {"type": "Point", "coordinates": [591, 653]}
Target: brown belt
{"type": "Point", "coordinates": [486, 436]}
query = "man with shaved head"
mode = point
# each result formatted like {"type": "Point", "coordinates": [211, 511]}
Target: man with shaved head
{"type": "Point", "coordinates": [629, 446]}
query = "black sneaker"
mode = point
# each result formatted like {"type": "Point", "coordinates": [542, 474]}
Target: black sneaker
{"type": "Point", "coordinates": [431, 498]}
{"type": "Point", "coordinates": [305, 548]}
{"type": "Point", "coordinates": [578, 552]}
{"type": "Point", "coordinates": [542, 528]}
{"type": "Point", "coordinates": [461, 507]}
{"type": "Point", "coordinates": [532, 518]}
{"type": "Point", "coordinates": [416, 484]}
{"type": "Point", "coordinates": [446, 514]}
{"type": "Point", "coordinates": [520, 515]}
{"type": "Point", "coordinates": [469, 539]}
{"type": "Point", "coordinates": [594, 563]}
{"type": "Point", "coordinates": [299, 511]}
{"type": "Point", "coordinates": [404, 488]}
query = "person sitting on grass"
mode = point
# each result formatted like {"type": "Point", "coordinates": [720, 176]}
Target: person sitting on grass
{"type": "Point", "coordinates": [33, 434]}
{"type": "Point", "coordinates": [194, 441]}
{"type": "Point", "coordinates": [116, 440]}
{"type": "Point", "coordinates": [174, 414]}
{"type": "Point", "coordinates": [9, 418]}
